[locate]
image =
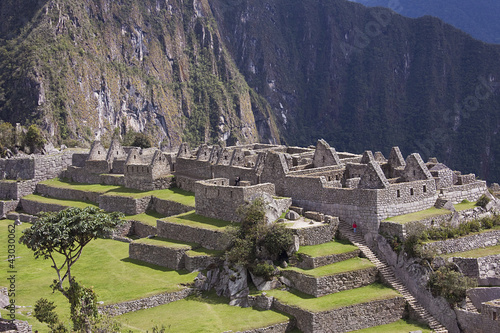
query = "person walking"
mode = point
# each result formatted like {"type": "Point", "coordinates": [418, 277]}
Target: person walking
{"type": "Point", "coordinates": [354, 227]}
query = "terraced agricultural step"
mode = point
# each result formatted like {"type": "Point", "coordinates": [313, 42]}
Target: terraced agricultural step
{"type": "Point", "coordinates": [190, 227]}
{"type": "Point", "coordinates": [34, 204]}
{"type": "Point", "coordinates": [333, 278]}
{"type": "Point", "coordinates": [314, 256]}
{"type": "Point", "coordinates": [172, 254]}
{"type": "Point", "coordinates": [345, 311]}
{"type": "Point", "coordinates": [389, 276]}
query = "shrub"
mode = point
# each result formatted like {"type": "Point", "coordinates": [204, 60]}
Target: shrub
{"type": "Point", "coordinates": [450, 284]}
{"type": "Point", "coordinates": [483, 201]}
{"type": "Point", "coordinates": [278, 239]}
{"type": "Point", "coordinates": [34, 138]}
{"type": "Point", "coordinates": [241, 253]}
{"type": "Point", "coordinates": [487, 223]}
{"type": "Point", "coordinates": [264, 270]}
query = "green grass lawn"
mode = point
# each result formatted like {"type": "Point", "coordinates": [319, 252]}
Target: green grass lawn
{"type": "Point", "coordinates": [465, 205]}
{"type": "Point", "coordinates": [417, 216]}
{"type": "Point", "coordinates": [369, 293]}
{"type": "Point", "coordinates": [477, 253]}
{"type": "Point", "coordinates": [104, 265]}
{"type": "Point", "coordinates": [98, 188]}
{"type": "Point", "coordinates": [206, 314]}
{"type": "Point", "coordinates": [160, 241]}
{"type": "Point", "coordinates": [321, 250]}
{"type": "Point", "coordinates": [149, 218]}
{"type": "Point", "coordinates": [67, 203]}
{"type": "Point", "coordinates": [192, 219]}
{"type": "Point", "coordinates": [396, 327]}
{"type": "Point", "coordinates": [171, 194]}
{"type": "Point", "coordinates": [349, 265]}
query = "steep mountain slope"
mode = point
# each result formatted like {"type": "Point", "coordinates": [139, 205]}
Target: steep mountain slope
{"type": "Point", "coordinates": [83, 68]}
{"type": "Point", "coordinates": [478, 18]}
{"type": "Point", "coordinates": [368, 79]}
{"type": "Point", "coordinates": [239, 70]}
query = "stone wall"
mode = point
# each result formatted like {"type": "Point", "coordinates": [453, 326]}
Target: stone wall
{"type": "Point", "coordinates": [172, 258]}
{"type": "Point", "coordinates": [209, 239]}
{"type": "Point", "coordinates": [197, 263]}
{"type": "Point", "coordinates": [142, 230]}
{"type": "Point", "coordinates": [321, 286]}
{"type": "Point", "coordinates": [473, 322]}
{"type": "Point", "coordinates": [317, 234]}
{"type": "Point", "coordinates": [307, 262]}
{"type": "Point", "coordinates": [15, 190]}
{"type": "Point", "coordinates": [145, 303]}
{"type": "Point", "coordinates": [485, 269]}
{"type": "Point", "coordinates": [126, 205]}
{"type": "Point", "coordinates": [7, 206]}
{"type": "Point", "coordinates": [79, 175]}
{"type": "Point", "coordinates": [67, 193]}
{"type": "Point", "coordinates": [169, 208]}
{"type": "Point", "coordinates": [466, 243]}
{"type": "Point", "coordinates": [470, 192]}
{"type": "Point", "coordinates": [185, 183]}
{"type": "Point", "coordinates": [215, 199]}
{"type": "Point", "coordinates": [342, 320]}
{"type": "Point", "coordinates": [276, 328]}
{"type": "Point", "coordinates": [35, 207]}
{"type": "Point", "coordinates": [78, 159]}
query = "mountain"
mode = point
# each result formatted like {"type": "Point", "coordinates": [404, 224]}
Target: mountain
{"type": "Point", "coordinates": [226, 71]}
{"type": "Point", "coordinates": [477, 18]}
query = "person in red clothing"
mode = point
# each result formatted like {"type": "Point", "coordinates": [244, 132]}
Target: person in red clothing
{"type": "Point", "coordinates": [354, 227]}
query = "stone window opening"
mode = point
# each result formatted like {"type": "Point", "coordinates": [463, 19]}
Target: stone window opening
{"type": "Point", "coordinates": [414, 173]}
{"type": "Point", "coordinates": [231, 193]}
{"type": "Point", "coordinates": [218, 192]}
{"type": "Point", "coordinates": [225, 157]}
{"type": "Point", "coordinates": [323, 158]}
{"type": "Point", "coordinates": [411, 191]}
{"type": "Point", "coordinates": [398, 193]}
{"type": "Point", "coordinates": [425, 189]}
{"type": "Point", "coordinates": [135, 156]}
{"type": "Point", "coordinates": [98, 152]}
{"type": "Point", "coordinates": [494, 315]}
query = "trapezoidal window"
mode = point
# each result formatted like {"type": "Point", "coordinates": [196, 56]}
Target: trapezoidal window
{"type": "Point", "coordinates": [398, 193]}
{"type": "Point", "coordinates": [425, 189]}
{"type": "Point", "coordinates": [411, 191]}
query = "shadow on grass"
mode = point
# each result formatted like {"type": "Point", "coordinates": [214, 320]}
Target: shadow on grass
{"type": "Point", "coordinates": [153, 266]}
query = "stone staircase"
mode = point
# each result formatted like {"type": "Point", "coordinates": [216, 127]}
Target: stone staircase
{"type": "Point", "coordinates": [388, 275]}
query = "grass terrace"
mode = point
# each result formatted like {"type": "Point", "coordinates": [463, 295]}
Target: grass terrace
{"type": "Point", "coordinates": [148, 218]}
{"type": "Point", "coordinates": [477, 253]}
{"type": "Point", "coordinates": [194, 220]}
{"type": "Point", "coordinates": [164, 242]}
{"type": "Point", "coordinates": [373, 292]}
{"type": "Point", "coordinates": [104, 265]}
{"type": "Point", "coordinates": [429, 213]}
{"type": "Point", "coordinates": [325, 249]}
{"type": "Point", "coordinates": [396, 327]}
{"type": "Point", "coordinates": [67, 203]}
{"type": "Point", "coordinates": [349, 265]}
{"type": "Point", "coordinates": [171, 194]}
{"type": "Point", "coordinates": [97, 188]}
{"type": "Point", "coordinates": [207, 313]}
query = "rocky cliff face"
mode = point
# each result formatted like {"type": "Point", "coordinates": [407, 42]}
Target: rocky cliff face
{"type": "Point", "coordinates": [240, 71]}
{"type": "Point", "coordinates": [84, 68]}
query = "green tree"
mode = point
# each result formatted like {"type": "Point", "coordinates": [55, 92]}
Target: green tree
{"type": "Point", "coordinates": [66, 233]}
{"type": "Point", "coordinates": [450, 284]}
{"type": "Point", "coordinates": [34, 138]}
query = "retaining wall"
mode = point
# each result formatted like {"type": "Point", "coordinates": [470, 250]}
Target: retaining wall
{"type": "Point", "coordinates": [466, 243]}
{"type": "Point", "coordinates": [321, 286]}
{"type": "Point", "coordinates": [169, 208]}
{"type": "Point", "coordinates": [196, 263]}
{"type": "Point", "coordinates": [145, 303]}
{"type": "Point", "coordinates": [457, 193]}
{"type": "Point", "coordinates": [348, 318]}
{"type": "Point", "coordinates": [126, 205]}
{"type": "Point", "coordinates": [8, 206]}
{"type": "Point", "coordinates": [142, 230]}
{"type": "Point", "coordinates": [307, 262]}
{"type": "Point", "coordinates": [317, 234]}
{"type": "Point", "coordinates": [209, 239]}
{"type": "Point", "coordinates": [35, 207]}
{"type": "Point", "coordinates": [485, 269]}
{"type": "Point", "coordinates": [15, 190]}
{"type": "Point", "coordinates": [67, 193]}
{"type": "Point", "coordinates": [172, 258]}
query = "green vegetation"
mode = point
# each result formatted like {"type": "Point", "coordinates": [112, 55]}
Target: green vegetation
{"type": "Point", "coordinates": [172, 194]}
{"type": "Point", "coordinates": [483, 201]}
{"type": "Point", "coordinates": [61, 202]}
{"type": "Point", "coordinates": [464, 205]}
{"type": "Point", "coordinates": [137, 139]}
{"type": "Point", "coordinates": [336, 268]}
{"type": "Point", "coordinates": [334, 247]}
{"type": "Point", "coordinates": [396, 327]}
{"type": "Point", "coordinates": [125, 279]}
{"type": "Point", "coordinates": [450, 284]}
{"type": "Point", "coordinates": [160, 241]}
{"type": "Point", "coordinates": [477, 253]}
{"type": "Point", "coordinates": [97, 188]}
{"type": "Point", "coordinates": [149, 218]}
{"type": "Point", "coordinates": [365, 294]}
{"type": "Point", "coordinates": [194, 220]}
{"type": "Point", "coordinates": [206, 313]}
{"type": "Point", "coordinates": [417, 216]}
{"type": "Point", "coordinates": [34, 138]}
{"type": "Point", "coordinates": [255, 241]}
